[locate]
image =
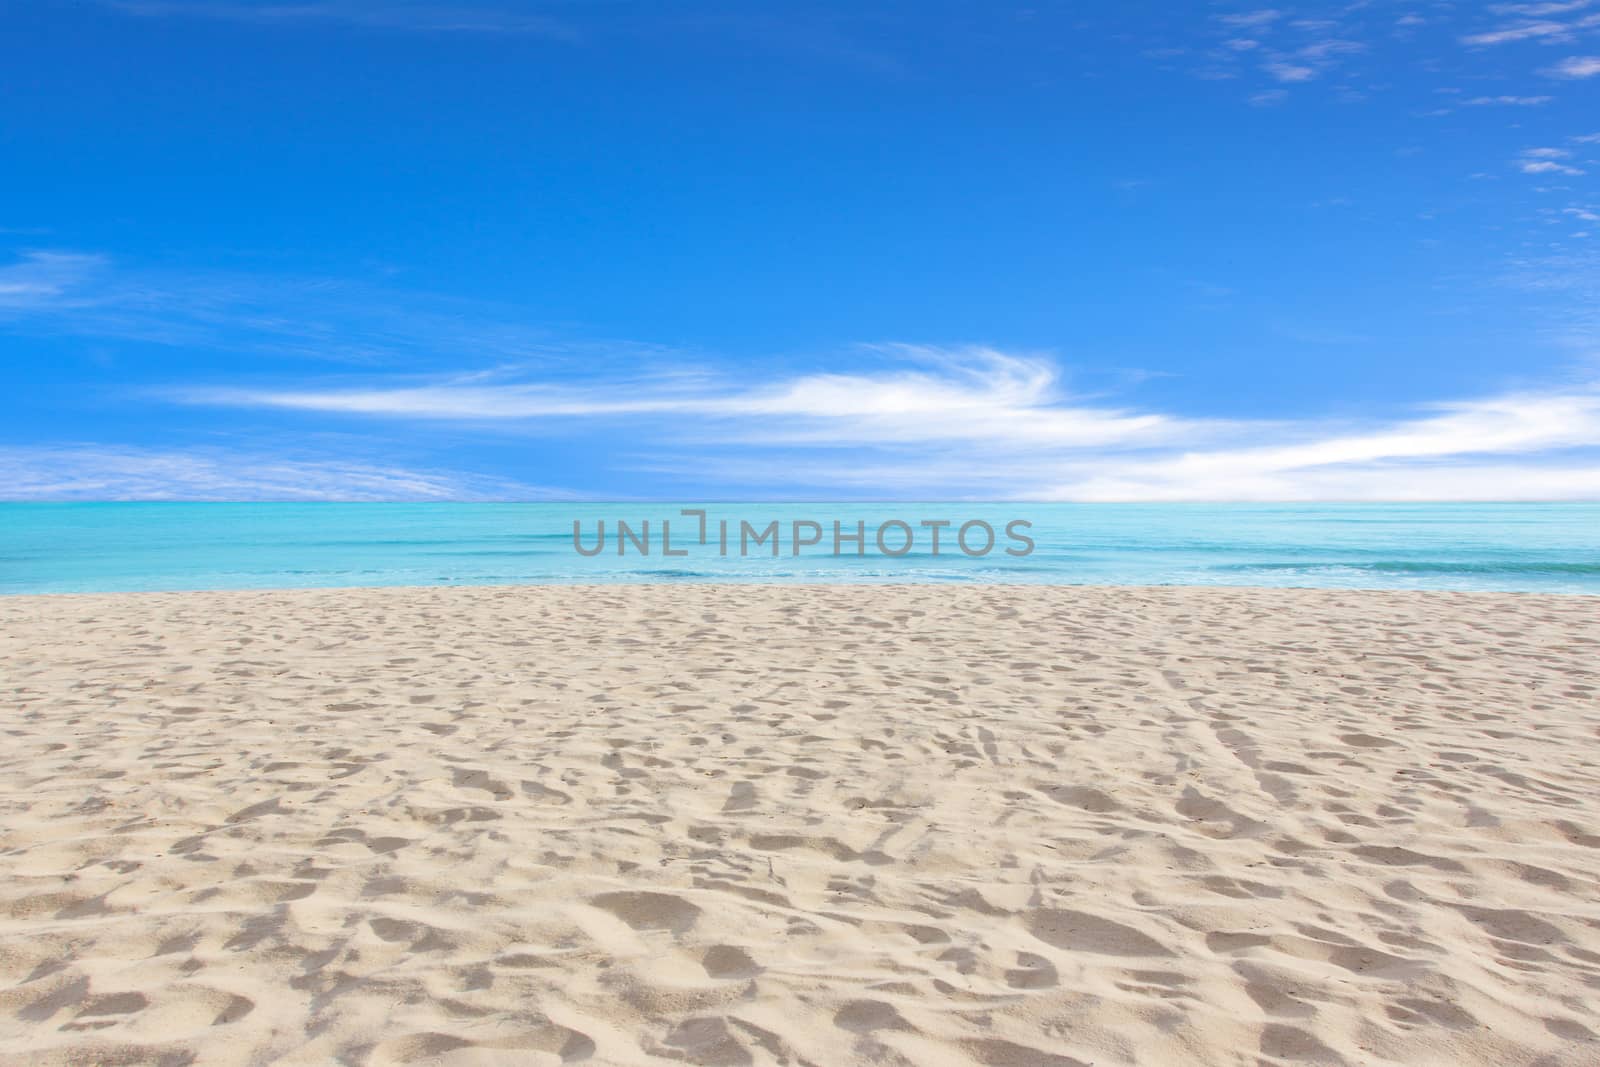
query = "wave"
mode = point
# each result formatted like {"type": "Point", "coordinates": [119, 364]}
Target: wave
{"type": "Point", "coordinates": [1403, 566]}
{"type": "Point", "coordinates": [426, 542]}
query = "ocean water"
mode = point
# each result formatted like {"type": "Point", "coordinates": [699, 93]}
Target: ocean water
{"type": "Point", "coordinates": [65, 548]}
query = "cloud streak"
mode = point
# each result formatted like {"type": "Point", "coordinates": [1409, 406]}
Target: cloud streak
{"type": "Point", "coordinates": [1508, 101]}
{"type": "Point", "coordinates": [43, 281]}
{"type": "Point", "coordinates": [374, 14]}
{"type": "Point", "coordinates": [1463, 452]}
{"type": "Point", "coordinates": [1576, 67]}
{"type": "Point", "coordinates": [1547, 161]}
{"type": "Point", "coordinates": [91, 295]}
{"type": "Point", "coordinates": [985, 423]}
{"type": "Point", "coordinates": [971, 394]}
{"type": "Point", "coordinates": [109, 472]}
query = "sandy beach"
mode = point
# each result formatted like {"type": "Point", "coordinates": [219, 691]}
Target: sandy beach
{"type": "Point", "coordinates": [800, 825]}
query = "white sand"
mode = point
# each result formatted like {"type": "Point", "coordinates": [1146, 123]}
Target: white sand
{"type": "Point", "coordinates": [800, 825]}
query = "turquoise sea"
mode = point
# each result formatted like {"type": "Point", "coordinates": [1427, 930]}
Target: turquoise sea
{"type": "Point", "coordinates": [65, 548]}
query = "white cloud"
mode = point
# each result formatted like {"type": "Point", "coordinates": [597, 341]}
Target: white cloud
{"type": "Point", "coordinates": [1538, 10]}
{"type": "Point", "coordinates": [1331, 46]}
{"type": "Point", "coordinates": [1576, 67]}
{"type": "Point", "coordinates": [978, 422]}
{"type": "Point", "coordinates": [976, 394]}
{"type": "Point", "coordinates": [104, 472]}
{"type": "Point", "coordinates": [41, 280]}
{"type": "Point", "coordinates": [86, 294]}
{"type": "Point", "coordinates": [440, 17]}
{"type": "Point", "coordinates": [1546, 161]}
{"type": "Point", "coordinates": [1508, 101]}
{"type": "Point", "coordinates": [1286, 51]}
{"type": "Point", "coordinates": [1522, 32]}
{"type": "Point", "coordinates": [1290, 72]}
{"type": "Point", "coordinates": [1252, 19]}
{"type": "Point", "coordinates": [1509, 448]}
{"type": "Point", "coordinates": [1536, 24]}
{"type": "Point", "coordinates": [1416, 482]}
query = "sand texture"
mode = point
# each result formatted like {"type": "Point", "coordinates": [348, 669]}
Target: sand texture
{"type": "Point", "coordinates": [803, 825]}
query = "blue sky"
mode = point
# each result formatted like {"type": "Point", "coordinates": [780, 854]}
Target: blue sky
{"type": "Point", "coordinates": [362, 249]}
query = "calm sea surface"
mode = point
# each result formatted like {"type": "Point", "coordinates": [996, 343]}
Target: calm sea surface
{"type": "Point", "coordinates": [60, 548]}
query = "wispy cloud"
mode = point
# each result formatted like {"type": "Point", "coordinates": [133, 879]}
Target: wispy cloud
{"type": "Point", "coordinates": [982, 422]}
{"type": "Point", "coordinates": [1508, 101]}
{"type": "Point", "coordinates": [1250, 20]}
{"type": "Point", "coordinates": [377, 14]}
{"type": "Point", "coordinates": [1286, 71]}
{"type": "Point", "coordinates": [46, 281]}
{"type": "Point", "coordinates": [1576, 67]}
{"type": "Point", "coordinates": [1458, 453]}
{"type": "Point", "coordinates": [1533, 447]}
{"type": "Point", "coordinates": [1524, 31]}
{"type": "Point", "coordinates": [841, 38]}
{"type": "Point", "coordinates": [971, 394]}
{"type": "Point", "coordinates": [1566, 284]}
{"type": "Point", "coordinates": [1319, 47]}
{"type": "Point", "coordinates": [105, 472]}
{"type": "Point", "coordinates": [920, 419]}
{"type": "Point", "coordinates": [91, 295]}
{"type": "Point", "coordinates": [1540, 10]}
{"type": "Point", "coordinates": [1311, 60]}
{"type": "Point", "coordinates": [1286, 51]}
{"type": "Point", "coordinates": [1411, 482]}
{"type": "Point", "coordinates": [1542, 22]}
{"type": "Point", "coordinates": [1546, 161]}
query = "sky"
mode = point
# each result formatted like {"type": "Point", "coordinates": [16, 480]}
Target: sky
{"type": "Point", "coordinates": [934, 250]}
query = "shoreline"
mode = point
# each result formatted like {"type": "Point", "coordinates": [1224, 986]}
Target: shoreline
{"type": "Point", "coordinates": [724, 823]}
{"type": "Point", "coordinates": [1023, 587]}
